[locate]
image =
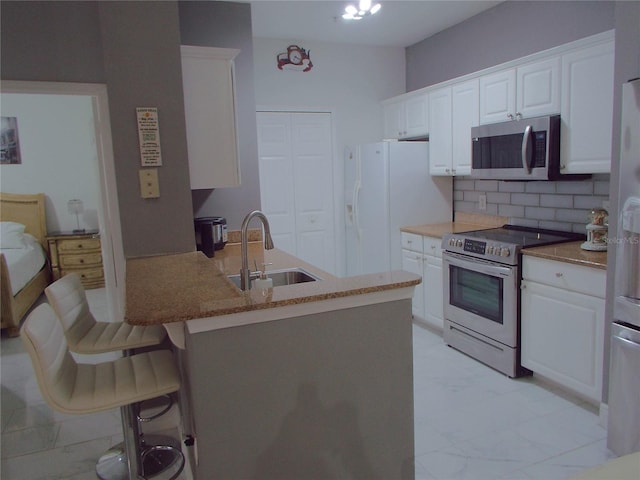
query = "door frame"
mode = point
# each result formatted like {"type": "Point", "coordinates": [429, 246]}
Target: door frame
{"type": "Point", "coordinates": [108, 211]}
{"type": "Point", "coordinates": [338, 177]}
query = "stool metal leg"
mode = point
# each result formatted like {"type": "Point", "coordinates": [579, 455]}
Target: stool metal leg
{"type": "Point", "coordinates": [121, 462]}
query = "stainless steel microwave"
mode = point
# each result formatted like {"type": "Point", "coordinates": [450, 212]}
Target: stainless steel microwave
{"type": "Point", "coordinates": [527, 149]}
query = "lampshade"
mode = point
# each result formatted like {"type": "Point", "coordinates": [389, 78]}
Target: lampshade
{"type": "Point", "coordinates": [75, 206]}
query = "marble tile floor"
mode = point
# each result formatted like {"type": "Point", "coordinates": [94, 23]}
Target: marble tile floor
{"type": "Point", "coordinates": [470, 422]}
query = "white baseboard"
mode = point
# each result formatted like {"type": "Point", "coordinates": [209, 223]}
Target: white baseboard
{"type": "Point", "coordinates": [604, 415]}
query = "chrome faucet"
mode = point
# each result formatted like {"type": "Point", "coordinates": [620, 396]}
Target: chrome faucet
{"type": "Point", "coordinates": [245, 272]}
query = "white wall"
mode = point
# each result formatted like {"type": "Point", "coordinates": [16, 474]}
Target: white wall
{"type": "Point", "coordinates": [57, 144]}
{"type": "Point", "coordinates": [347, 80]}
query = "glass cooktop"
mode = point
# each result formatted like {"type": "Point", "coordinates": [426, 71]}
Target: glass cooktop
{"type": "Point", "coordinates": [524, 236]}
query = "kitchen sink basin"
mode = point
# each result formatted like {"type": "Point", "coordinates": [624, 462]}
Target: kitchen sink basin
{"type": "Point", "coordinates": [280, 278]}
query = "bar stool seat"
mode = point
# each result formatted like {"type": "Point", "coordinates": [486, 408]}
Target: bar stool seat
{"type": "Point", "coordinates": [76, 388]}
{"type": "Point", "coordinates": [87, 335]}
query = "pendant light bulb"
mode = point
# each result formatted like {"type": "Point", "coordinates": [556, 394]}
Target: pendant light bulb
{"type": "Point", "coordinates": [375, 8]}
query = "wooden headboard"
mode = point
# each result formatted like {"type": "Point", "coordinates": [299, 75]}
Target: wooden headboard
{"type": "Point", "coordinates": [27, 210]}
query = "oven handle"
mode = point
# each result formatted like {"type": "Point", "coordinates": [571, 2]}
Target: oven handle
{"type": "Point", "coordinates": [481, 266]}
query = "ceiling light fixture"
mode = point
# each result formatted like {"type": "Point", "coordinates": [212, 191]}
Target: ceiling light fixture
{"type": "Point", "coordinates": [363, 9]}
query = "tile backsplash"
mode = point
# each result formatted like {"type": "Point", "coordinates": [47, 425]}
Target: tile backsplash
{"type": "Point", "coordinates": [558, 205]}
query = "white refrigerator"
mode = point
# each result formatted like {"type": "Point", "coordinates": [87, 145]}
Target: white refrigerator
{"type": "Point", "coordinates": [388, 186]}
{"type": "Point", "coordinates": [624, 372]}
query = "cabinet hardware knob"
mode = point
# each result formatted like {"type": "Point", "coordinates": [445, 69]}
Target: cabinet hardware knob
{"type": "Point", "coordinates": [509, 116]}
{"type": "Point", "coordinates": [518, 115]}
{"type": "Point", "coordinates": [558, 274]}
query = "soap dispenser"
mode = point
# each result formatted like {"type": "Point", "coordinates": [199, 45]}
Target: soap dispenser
{"type": "Point", "coordinates": [263, 282]}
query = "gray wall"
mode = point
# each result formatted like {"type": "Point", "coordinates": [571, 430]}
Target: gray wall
{"type": "Point", "coordinates": [132, 47]}
{"type": "Point", "coordinates": [228, 25]}
{"type": "Point", "coordinates": [141, 43]}
{"type": "Point", "coordinates": [505, 32]}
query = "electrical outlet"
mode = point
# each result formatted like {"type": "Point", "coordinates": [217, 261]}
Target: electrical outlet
{"type": "Point", "coordinates": [149, 185]}
{"type": "Point", "coordinates": [482, 201]}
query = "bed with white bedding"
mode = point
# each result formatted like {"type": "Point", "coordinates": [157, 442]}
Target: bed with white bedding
{"type": "Point", "coordinates": [23, 261]}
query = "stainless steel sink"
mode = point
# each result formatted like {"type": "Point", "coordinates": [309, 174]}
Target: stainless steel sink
{"type": "Point", "coordinates": [283, 277]}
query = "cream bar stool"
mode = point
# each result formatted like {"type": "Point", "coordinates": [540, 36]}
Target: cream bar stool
{"type": "Point", "coordinates": [78, 388]}
{"type": "Point", "coordinates": [86, 335]}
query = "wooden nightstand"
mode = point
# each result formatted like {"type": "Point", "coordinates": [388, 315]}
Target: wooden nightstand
{"type": "Point", "coordinates": [77, 252]}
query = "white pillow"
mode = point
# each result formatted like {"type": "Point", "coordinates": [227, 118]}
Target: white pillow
{"type": "Point", "coordinates": [12, 235]}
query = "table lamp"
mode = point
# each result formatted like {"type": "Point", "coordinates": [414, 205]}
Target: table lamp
{"type": "Point", "coordinates": [74, 206]}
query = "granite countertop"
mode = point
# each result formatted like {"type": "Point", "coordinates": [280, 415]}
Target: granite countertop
{"type": "Point", "coordinates": [464, 222]}
{"type": "Point", "coordinates": [176, 288]}
{"type": "Point", "coordinates": [570, 253]}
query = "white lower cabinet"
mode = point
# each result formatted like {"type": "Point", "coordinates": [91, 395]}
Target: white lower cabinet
{"type": "Point", "coordinates": [562, 330]}
{"type": "Point", "coordinates": [423, 256]}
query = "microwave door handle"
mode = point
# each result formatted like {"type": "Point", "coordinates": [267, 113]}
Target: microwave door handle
{"type": "Point", "coordinates": [527, 150]}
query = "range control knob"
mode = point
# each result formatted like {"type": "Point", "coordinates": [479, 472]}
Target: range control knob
{"type": "Point", "coordinates": [505, 252]}
{"type": "Point", "coordinates": [489, 249]}
{"type": "Point", "coordinates": [459, 243]}
{"type": "Point", "coordinates": [452, 242]}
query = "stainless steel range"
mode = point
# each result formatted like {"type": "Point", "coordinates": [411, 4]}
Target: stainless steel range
{"type": "Point", "coordinates": [482, 276]}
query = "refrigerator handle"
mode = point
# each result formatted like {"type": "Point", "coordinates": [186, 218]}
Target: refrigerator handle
{"type": "Point", "coordinates": [356, 209]}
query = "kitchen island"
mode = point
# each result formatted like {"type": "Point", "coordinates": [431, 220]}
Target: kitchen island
{"type": "Point", "coordinates": [312, 380]}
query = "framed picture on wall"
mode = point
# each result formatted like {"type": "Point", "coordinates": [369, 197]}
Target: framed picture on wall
{"type": "Point", "coordinates": [9, 143]}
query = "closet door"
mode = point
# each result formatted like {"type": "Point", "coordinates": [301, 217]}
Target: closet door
{"type": "Point", "coordinates": [296, 183]}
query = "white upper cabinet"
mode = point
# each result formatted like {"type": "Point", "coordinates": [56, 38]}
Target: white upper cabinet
{"type": "Point", "coordinates": [530, 90]}
{"type": "Point", "coordinates": [210, 115]}
{"type": "Point", "coordinates": [440, 136]}
{"type": "Point", "coordinates": [452, 112]}
{"type": "Point", "coordinates": [587, 110]}
{"type": "Point", "coordinates": [406, 117]}
{"type": "Point", "coordinates": [498, 96]}
{"type": "Point", "coordinates": [538, 88]}
{"type": "Point", "coordinates": [574, 80]}
{"type": "Point", "coordinates": [466, 114]}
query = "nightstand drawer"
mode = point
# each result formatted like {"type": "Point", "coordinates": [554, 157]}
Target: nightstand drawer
{"type": "Point", "coordinates": [90, 277]}
{"type": "Point", "coordinates": [77, 252]}
{"type": "Point", "coordinates": [84, 260]}
{"type": "Point", "coordinates": [78, 245]}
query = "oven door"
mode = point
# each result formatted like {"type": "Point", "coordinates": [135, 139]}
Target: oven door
{"type": "Point", "coordinates": [482, 296]}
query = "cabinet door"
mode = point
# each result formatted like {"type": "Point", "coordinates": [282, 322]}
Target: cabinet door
{"type": "Point", "coordinates": [587, 110]}
{"type": "Point", "coordinates": [440, 140]}
{"type": "Point", "coordinates": [394, 119]}
{"type": "Point", "coordinates": [413, 262]}
{"type": "Point", "coordinates": [433, 292]}
{"type": "Point", "coordinates": [416, 116]}
{"type": "Point", "coordinates": [210, 115]}
{"type": "Point", "coordinates": [538, 88]}
{"type": "Point", "coordinates": [465, 107]}
{"type": "Point", "coordinates": [498, 96]}
{"type": "Point", "coordinates": [563, 337]}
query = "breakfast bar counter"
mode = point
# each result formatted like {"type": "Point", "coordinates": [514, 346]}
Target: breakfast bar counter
{"type": "Point", "coordinates": [176, 288]}
{"type": "Point", "coordinates": [313, 378]}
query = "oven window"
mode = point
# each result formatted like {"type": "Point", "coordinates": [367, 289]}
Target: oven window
{"type": "Point", "coordinates": [476, 292]}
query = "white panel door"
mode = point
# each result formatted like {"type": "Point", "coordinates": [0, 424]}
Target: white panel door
{"type": "Point", "coordinates": [276, 178]}
{"type": "Point", "coordinates": [313, 183]}
{"type": "Point", "coordinates": [296, 183]}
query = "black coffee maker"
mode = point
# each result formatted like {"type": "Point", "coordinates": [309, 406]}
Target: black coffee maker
{"type": "Point", "coordinates": [211, 234]}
